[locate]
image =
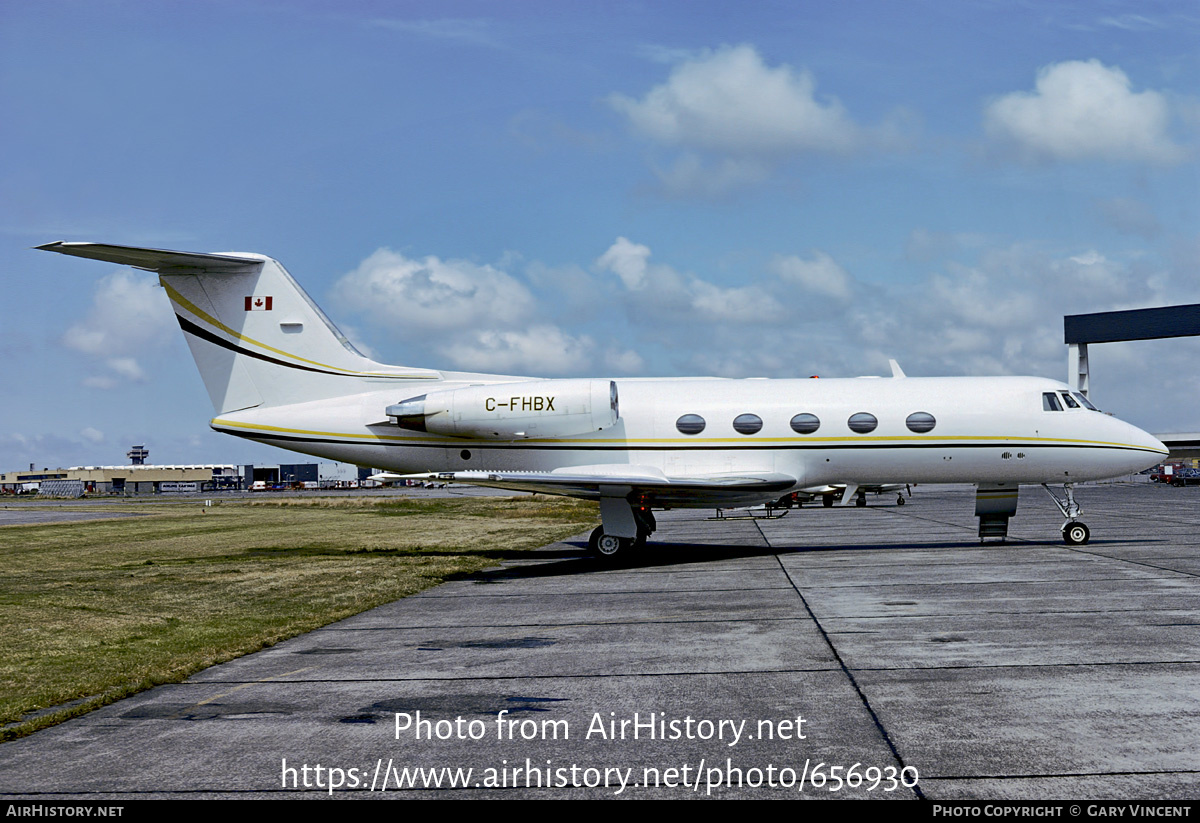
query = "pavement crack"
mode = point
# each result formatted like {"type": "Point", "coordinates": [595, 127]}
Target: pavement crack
{"type": "Point", "coordinates": [887, 738]}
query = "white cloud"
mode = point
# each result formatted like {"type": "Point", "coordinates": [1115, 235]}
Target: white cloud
{"type": "Point", "coordinates": [1093, 273]}
{"type": "Point", "coordinates": [570, 289]}
{"type": "Point", "coordinates": [1083, 110]}
{"type": "Point", "coordinates": [729, 121]}
{"type": "Point", "coordinates": [1000, 314]}
{"type": "Point", "coordinates": [821, 275]}
{"type": "Point", "coordinates": [737, 363]}
{"type": "Point", "coordinates": [628, 261]}
{"type": "Point", "coordinates": [127, 367]}
{"type": "Point", "coordinates": [738, 305]}
{"type": "Point", "coordinates": [128, 312]}
{"type": "Point", "coordinates": [1088, 258]}
{"type": "Point", "coordinates": [973, 298]}
{"type": "Point", "coordinates": [93, 435]}
{"type": "Point", "coordinates": [1003, 314]}
{"type": "Point", "coordinates": [128, 316]}
{"type": "Point", "coordinates": [798, 314]}
{"type": "Point", "coordinates": [482, 318]}
{"type": "Point", "coordinates": [730, 101]}
{"type": "Point", "coordinates": [625, 361]}
{"type": "Point", "coordinates": [539, 350]}
{"type": "Point", "coordinates": [660, 292]}
{"type": "Point", "coordinates": [405, 294]}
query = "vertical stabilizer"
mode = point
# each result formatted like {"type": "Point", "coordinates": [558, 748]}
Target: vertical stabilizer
{"type": "Point", "coordinates": [257, 338]}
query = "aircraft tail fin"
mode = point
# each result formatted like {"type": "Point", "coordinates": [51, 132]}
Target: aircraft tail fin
{"type": "Point", "coordinates": [257, 337]}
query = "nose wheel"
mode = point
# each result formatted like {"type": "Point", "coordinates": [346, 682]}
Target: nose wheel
{"type": "Point", "coordinates": [1075, 533]}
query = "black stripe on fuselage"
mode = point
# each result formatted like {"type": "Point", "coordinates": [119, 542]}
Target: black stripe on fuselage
{"type": "Point", "coordinates": [191, 328]}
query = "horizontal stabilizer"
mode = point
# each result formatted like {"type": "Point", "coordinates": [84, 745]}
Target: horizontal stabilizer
{"type": "Point", "coordinates": [154, 259]}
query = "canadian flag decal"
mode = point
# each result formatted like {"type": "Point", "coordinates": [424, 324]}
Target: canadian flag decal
{"type": "Point", "coordinates": [258, 303]}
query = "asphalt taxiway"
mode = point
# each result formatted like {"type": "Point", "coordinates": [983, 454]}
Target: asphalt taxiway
{"type": "Point", "coordinates": [861, 649]}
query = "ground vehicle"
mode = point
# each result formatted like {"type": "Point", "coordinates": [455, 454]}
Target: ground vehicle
{"type": "Point", "coordinates": [1185, 477]}
{"type": "Point", "coordinates": [1167, 472]}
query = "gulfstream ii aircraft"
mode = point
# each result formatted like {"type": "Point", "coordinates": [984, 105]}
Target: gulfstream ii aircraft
{"type": "Point", "coordinates": [279, 372]}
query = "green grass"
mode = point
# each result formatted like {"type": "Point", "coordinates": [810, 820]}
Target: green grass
{"type": "Point", "coordinates": [96, 611]}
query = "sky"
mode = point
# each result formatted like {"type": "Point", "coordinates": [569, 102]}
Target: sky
{"type": "Point", "coordinates": [758, 189]}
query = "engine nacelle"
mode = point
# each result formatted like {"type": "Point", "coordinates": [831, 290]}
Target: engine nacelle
{"type": "Point", "coordinates": [512, 411]}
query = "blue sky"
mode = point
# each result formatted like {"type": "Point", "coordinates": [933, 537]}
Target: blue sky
{"type": "Point", "coordinates": [548, 188]}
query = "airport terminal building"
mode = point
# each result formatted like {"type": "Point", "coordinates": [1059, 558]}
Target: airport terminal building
{"type": "Point", "coordinates": [168, 479]}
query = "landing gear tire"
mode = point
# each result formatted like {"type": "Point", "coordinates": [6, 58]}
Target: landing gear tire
{"type": "Point", "coordinates": [609, 547]}
{"type": "Point", "coordinates": [899, 500]}
{"type": "Point", "coordinates": [827, 501]}
{"type": "Point", "coordinates": [860, 501]}
{"type": "Point", "coordinates": [1076, 534]}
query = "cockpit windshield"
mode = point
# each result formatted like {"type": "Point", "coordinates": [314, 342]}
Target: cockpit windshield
{"type": "Point", "coordinates": [1070, 400]}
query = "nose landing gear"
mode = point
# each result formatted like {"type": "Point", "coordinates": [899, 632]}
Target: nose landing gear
{"type": "Point", "coordinates": [1074, 533]}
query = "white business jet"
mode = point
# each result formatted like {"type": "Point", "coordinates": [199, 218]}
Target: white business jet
{"type": "Point", "coordinates": [279, 372]}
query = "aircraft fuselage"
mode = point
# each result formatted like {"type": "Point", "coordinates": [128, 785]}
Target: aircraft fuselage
{"type": "Point", "coordinates": [985, 429]}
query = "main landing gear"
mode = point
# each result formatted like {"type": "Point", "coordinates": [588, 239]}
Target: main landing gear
{"type": "Point", "coordinates": [1074, 533]}
{"type": "Point", "coordinates": [611, 548]}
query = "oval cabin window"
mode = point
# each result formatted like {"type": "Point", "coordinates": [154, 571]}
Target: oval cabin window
{"type": "Point", "coordinates": [862, 422]}
{"type": "Point", "coordinates": [747, 423]}
{"type": "Point", "coordinates": [920, 422]}
{"type": "Point", "coordinates": [805, 423]}
{"type": "Point", "coordinates": [690, 424]}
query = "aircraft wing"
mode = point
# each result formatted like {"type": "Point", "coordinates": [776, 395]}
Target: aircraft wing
{"type": "Point", "coordinates": [644, 485]}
